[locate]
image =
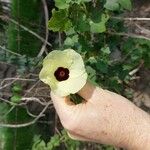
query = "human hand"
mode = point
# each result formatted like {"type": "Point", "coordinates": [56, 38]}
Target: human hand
{"type": "Point", "coordinates": [104, 117]}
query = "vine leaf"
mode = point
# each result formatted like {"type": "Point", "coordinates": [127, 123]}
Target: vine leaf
{"type": "Point", "coordinates": [82, 24]}
{"type": "Point", "coordinates": [100, 26]}
{"type": "Point", "coordinates": [71, 41]}
{"type": "Point", "coordinates": [126, 4]}
{"type": "Point", "coordinates": [59, 21]}
{"type": "Point", "coordinates": [116, 4]}
{"type": "Point", "coordinates": [62, 4]}
{"type": "Point", "coordinates": [112, 5]}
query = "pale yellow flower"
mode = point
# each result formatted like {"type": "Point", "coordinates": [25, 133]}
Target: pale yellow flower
{"type": "Point", "coordinates": [64, 72]}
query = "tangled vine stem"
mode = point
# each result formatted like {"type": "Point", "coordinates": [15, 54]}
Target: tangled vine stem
{"type": "Point", "coordinates": [46, 28]}
{"type": "Point", "coordinates": [132, 19]}
{"type": "Point", "coordinates": [9, 51]}
{"type": "Point", "coordinates": [132, 35]}
{"type": "Point", "coordinates": [28, 123]}
{"type": "Point", "coordinates": [4, 17]}
{"type": "Point", "coordinates": [25, 99]}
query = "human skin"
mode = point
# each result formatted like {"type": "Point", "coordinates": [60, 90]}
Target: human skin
{"type": "Point", "coordinates": [104, 117]}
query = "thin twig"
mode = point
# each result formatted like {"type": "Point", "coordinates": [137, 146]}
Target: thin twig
{"type": "Point", "coordinates": [132, 35]}
{"type": "Point", "coordinates": [8, 84]}
{"type": "Point", "coordinates": [9, 51]}
{"type": "Point", "coordinates": [28, 91]}
{"type": "Point", "coordinates": [132, 19]}
{"type": "Point", "coordinates": [19, 79]}
{"type": "Point", "coordinates": [46, 27]}
{"type": "Point", "coordinates": [131, 73]}
{"type": "Point", "coordinates": [143, 30]}
{"type": "Point", "coordinates": [7, 101]}
{"type": "Point", "coordinates": [12, 107]}
{"type": "Point", "coordinates": [29, 99]}
{"type": "Point", "coordinates": [25, 28]}
{"type": "Point", "coordinates": [30, 114]}
{"type": "Point", "coordinates": [28, 123]}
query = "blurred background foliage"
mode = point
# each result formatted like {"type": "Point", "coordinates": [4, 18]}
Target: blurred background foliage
{"type": "Point", "coordinates": [114, 55]}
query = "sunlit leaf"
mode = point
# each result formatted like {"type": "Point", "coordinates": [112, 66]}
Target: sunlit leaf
{"type": "Point", "coordinates": [59, 21]}
{"type": "Point", "coordinates": [99, 27]}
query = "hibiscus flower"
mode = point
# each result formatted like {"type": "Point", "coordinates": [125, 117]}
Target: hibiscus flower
{"type": "Point", "coordinates": [64, 72]}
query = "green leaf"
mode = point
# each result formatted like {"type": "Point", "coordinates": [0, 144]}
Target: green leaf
{"type": "Point", "coordinates": [62, 4]}
{"type": "Point", "coordinates": [59, 21]}
{"type": "Point", "coordinates": [112, 5]}
{"type": "Point", "coordinates": [71, 31]}
{"type": "Point", "coordinates": [16, 98]}
{"type": "Point", "coordinates": [39, 145]}
{"type": "Point", "coordinates": [102, 66]}
{"type": "Point", "coordinates": [126, 4]}
{"type": "Point", "coordinates": [86, 0]}
{"type": "Point", "coordinates": [54, 142]}
{"type": "Point", "coordinates": [106, 50]}
{"type": "Point", "coordinates": [99, 27]}
{"type": "Point", "coordinates": [79, 1]}
{"type": "Point", "coordinates": [17, 88]}
{"type": "Point", "coordinates": [91, 74]}
{"type": "Point", "coordinates": [81, 23]}
{"type": "Point", "coordinates": [71, 41]}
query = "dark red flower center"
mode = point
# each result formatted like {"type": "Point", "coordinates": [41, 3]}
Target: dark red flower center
{"type": "Point", "coordinates": [61, 74]}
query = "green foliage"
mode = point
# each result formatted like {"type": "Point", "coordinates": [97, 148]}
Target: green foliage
{"type": "Point", "coordinates": [126, 4]}
{"type": "Point", "coordinates": [16, 90]}
{"type": "Point", "coordinates": [85, 25]}
{"type": "Point", "coordinates": [22, 63]}
{"type": "Point", "coordinates": [112, 5]}
{"type": "Point", "coordinates": [64, 4]}
{"type": "Point", "coordinates": [27, 13]}
{"type": "Point", "coordinates": [59, 21]}
{"type": "Point", "coordinates": [108, 58]}
{"type": "Point", "coordinates": [15, 138]}
{"type": "Point", "coordinates": [99, 26]}
{"type": "Point", "coordinates": [118, 4]}
{"type": "Point", "coordinates": [55, 142]}
{"type": "Point", "coordinates": [16, 98]}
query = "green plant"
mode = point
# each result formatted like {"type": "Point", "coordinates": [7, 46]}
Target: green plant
{"type": "Point", "coordinates": [89, 28]}
{"type": "Point", "coordinates": [27, 13]}
{"type": "Point", "coordinates": [15, 138]}
{"type": "Point", "coordinates": [16, 90]}
{"type": "Point", "coordinates": [55, 142]}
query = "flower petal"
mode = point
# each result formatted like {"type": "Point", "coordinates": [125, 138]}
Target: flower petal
{"type": "Point", "coordinates": [70, 86]}
{"type": "Point", "coordinates": [69, 59]}
{"type": "Point", "coordinates": [77, 67]}
{"type": "Point", "coordinates": [47, 76]}
{"type": "Point", "coordinates": [57, 59]}
{"type": "Point", "coordinates": [51, 62]}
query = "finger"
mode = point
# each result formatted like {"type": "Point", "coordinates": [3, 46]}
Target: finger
{"type": "Point", "coordinates": [63, 105]}
{"type": "Point", "coordinates": [88, 92]}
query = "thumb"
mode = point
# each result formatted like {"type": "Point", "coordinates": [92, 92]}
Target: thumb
{"type": "Point", "coordinates": [89, 92]}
